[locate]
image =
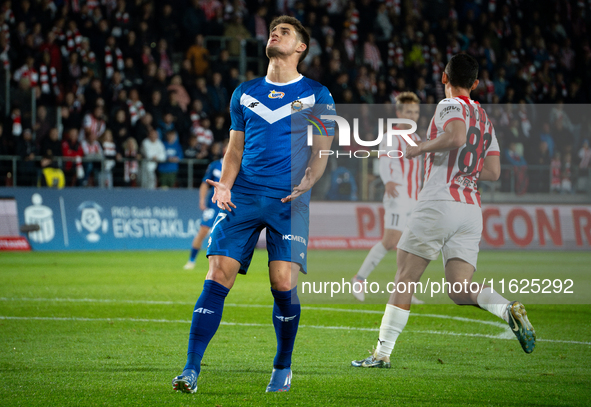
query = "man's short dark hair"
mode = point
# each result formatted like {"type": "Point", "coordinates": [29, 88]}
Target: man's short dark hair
{"type": "Point", "coordinates": [301, 32]}
{"type": "Point", "coordinates": [462, 71]}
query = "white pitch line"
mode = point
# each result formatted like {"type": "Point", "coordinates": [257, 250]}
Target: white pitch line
{"type": "Point", "coordinates": [148, 302]}
{"type": "Point", "coordinates": [505, 334]}
{"type": "Point", "coordinates": [94, 300]}
{"type": "Point", "coordinates": [342, 328]}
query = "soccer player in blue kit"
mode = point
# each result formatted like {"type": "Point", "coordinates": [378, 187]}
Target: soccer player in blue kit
{"type": "Point", "coordinates": [209, 208]}
{"type": "Point", "coordinates": [268, 154]}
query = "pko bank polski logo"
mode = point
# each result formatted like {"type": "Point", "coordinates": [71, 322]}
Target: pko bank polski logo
{"type": "Point", "coordinates": [39, 214]}
{"type": "Point", "coordinates": [345, 136]}
{"type": "Point", "coordinates": [90, 221]}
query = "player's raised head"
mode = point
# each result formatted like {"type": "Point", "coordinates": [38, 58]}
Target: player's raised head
{"type": "Point", "coordinates": [462, 71]}
{"type": "Point", "coordinates": [286, 36]}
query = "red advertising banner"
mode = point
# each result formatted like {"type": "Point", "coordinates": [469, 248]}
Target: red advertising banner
{"type": "Point", "coordinates": [14, 243]}
{"type": "Point", "coordinates": [348, 225]}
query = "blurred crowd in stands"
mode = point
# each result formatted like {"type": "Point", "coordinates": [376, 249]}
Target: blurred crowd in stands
{"type": "Point", "coordinates": [138, 84]}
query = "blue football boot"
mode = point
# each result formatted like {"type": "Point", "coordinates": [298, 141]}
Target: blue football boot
{"type": "Point", "coordinates": [186, 382]}
{"type": "Point", "coordinates": [280, 380]}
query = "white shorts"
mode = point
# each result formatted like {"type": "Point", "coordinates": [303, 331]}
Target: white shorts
{"type": "Point", "coordinates": [454, 228]}
{"type": "Point", "coordinates": [397, 212]}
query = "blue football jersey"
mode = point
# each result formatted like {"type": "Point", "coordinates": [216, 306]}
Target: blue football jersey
{"type": "Point", "coordinates": [274, 118]}
{"type": "Point", "coordinates": [213, 172]}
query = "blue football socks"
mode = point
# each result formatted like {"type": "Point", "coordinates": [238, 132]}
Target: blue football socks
{"type": "Point", "coordinates": [206, 320]}
{"type": "Point", "coordinates": [193, 254]}
{"type": "Point", "coordinates": [286, 318]}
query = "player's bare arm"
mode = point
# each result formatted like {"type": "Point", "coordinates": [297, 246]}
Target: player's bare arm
{"type": "Point", "coordinates": [491, 171]}
{"type": "Point", "coordinates": [316, 167]}
{"type": "Point", "coordinates": [230, 169]}
{"type": "Point", "coordinates": [454, 137]}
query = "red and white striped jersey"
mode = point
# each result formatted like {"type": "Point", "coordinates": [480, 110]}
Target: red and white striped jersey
{"type": "Point", "coordinates": [26, 71]}
{"type": "Point", "coordinates": [203, 135]}
{"type": "Point", "coordinates": [93, 125]}
{"type": "Point", "coordinates": [46, 85]}
{"type": "Point", "coordinates": [136, 110]}
{"type": "Point", "coordinates": [402, 171]}
{"type": "Point", "coordinates": [91, 149]}
{"type": "Point", "coordinates": [452, 175]}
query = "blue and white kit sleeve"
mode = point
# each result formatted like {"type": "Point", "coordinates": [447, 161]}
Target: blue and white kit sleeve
{"type": "Point", "coordinates": [325, 106]}
{"type": "Point", "coordinates": [236, 113]}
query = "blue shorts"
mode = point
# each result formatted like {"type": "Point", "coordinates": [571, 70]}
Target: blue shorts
{"type": "Point", "coordinates": [209, 216]}
{"type": "Point", "coordinates": [235, 234]}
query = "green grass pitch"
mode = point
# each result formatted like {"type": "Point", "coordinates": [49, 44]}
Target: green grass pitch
{"type": "Point", "coordinates": [111, 329]}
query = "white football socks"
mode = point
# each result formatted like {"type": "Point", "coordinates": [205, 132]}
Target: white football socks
{"type": "Point", "coordinates": [393, 323]}
{"type": "Point", "coordinates": [375, 255]}
{"type": "Point", "coordinates": [493, 302]}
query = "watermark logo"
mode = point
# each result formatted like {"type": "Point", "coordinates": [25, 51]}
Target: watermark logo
{"type": "Point", "coordinates": [345, 131]}
{"type": "Point", "coordinates": [319, 126]}
{"type": "Point", "coordinates": [392, 129]}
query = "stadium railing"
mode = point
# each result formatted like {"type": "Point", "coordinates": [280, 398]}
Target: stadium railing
{"type": "Point", "coordinates": [12, 171]}
{"type": "Point", "coordinates": [516, 184]}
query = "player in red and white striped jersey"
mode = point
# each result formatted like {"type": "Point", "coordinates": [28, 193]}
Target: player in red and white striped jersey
{"type": "Point", "coordinates": [461, 149]}
{"type": "Point", "coordinates": [402, 180]}
{"type": "Point", "coordinates": [452, 174]}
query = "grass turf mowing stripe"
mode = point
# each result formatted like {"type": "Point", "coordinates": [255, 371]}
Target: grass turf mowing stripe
{"type": "Point", "coordinates": [346, 328]}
